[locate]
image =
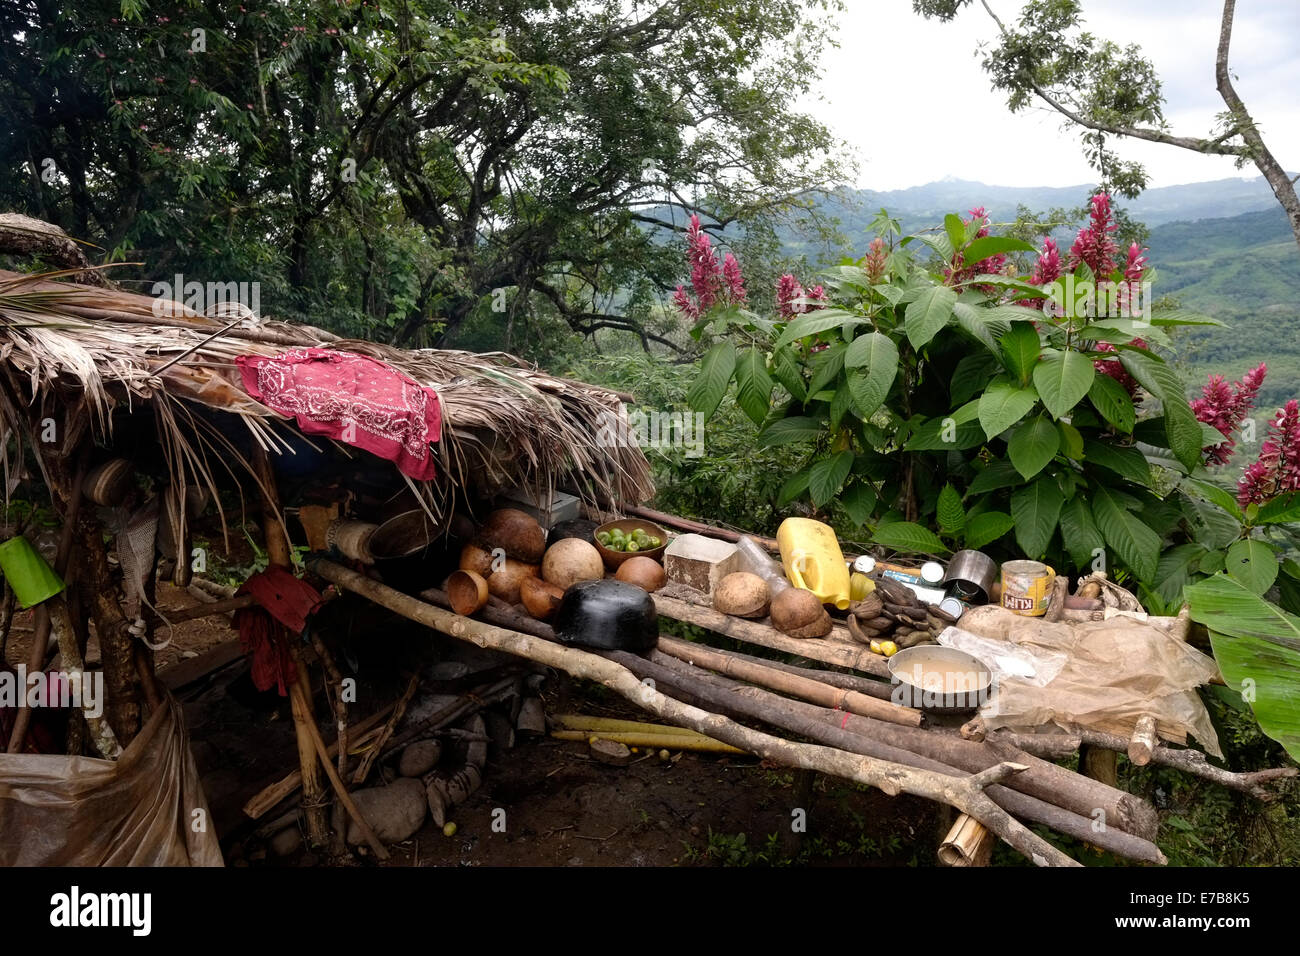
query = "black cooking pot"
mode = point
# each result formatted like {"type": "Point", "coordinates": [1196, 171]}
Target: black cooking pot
{"type": "Point", "coordinates": [608, 615]}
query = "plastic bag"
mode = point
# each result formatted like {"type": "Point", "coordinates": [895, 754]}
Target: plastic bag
{"type": "Point", "coordinates": [145, 809]}
{"type": "Point", "coordinates": [1116, 670]}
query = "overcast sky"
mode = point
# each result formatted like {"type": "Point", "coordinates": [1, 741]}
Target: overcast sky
{"type": "Point", "coordinates": [922, 79]}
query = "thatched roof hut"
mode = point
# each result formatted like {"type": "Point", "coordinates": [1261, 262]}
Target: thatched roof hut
{"type": "Point", "coordinates": [82, 356]}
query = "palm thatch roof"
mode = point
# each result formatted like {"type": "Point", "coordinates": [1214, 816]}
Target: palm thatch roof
{"type": "Point", "coordinates": [505, 423]}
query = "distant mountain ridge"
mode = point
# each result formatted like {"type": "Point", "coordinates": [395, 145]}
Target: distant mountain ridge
{"type": "Point", "coordinates": [1220, 198]}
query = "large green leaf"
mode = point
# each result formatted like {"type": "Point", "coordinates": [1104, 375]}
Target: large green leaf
{"type": "Point", "coordinates": [826, 366]}
{"type": "Point", "coordinates": [1135, 543]}
{"type": "Point", "coordinates": [872, 360]}
{"type": "Point", "coordinates": [1021, 349]}
{"type": "Point", "coordinates": [1112, 400]}
{"type": "Point", "coordinates": [716, 369]}
{"type": "Point", "coordinates": [826, 477]}
{"type": "Point", "coordinates": [1253, 563]}
{"type": "Point", "coordinates": [753, 385]}
{"type": "Point", "coordinates": [1284, 509]}
{"type": "Point", "coordinates": [1173, 571]}
{"type": "Point", "coordinates": [822, 320]}
{"type": "Point", "coordinates": [1036, 509]}
{"type": "Point", "coordinates": [986, 527]}
{"type": "Point", "coordinates": [786, 430]}
{"type": "Point", "coordinates": [1126, 461]}
{"type": "Point", "coordinates": [981, 249]}
{"type": "Point", "coordinates": [1161, 379]}
{"type": "Point", "coordinates": [1033, 445]}
{"type": "Point", "coordinates": [1079, 532]}
{"type": "Point", "coordinates": [907, 536]}
{"type": "Point", "coordinates": [949, 512]}
{"type": "Point", "coordinates": [1062, 380]}
{"type": "Point", "coordinates": [858, 500]}
{"type": "Point", "coordinates": [997, 474]}
{"type": "Point", "coordinates": [946, 434]}
{"type": "Point", "coordinates": [1002, 405]}
{"type": "Point", "coordinates": [970, 376]}
{"type": "Point", "coordinates": [928, 313]}
{"type": "Point", "coordinates": [1219, 496]}
{"type": "Point", "coordinates": [794, 486]}
{"type": "Point", "coordinates": [786, 370]}
{"type": "Point", "coordinates": [1257, 647]}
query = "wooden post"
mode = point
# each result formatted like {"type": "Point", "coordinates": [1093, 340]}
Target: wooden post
{"type": "Point", "coordinates": [314, 797]}
{"type": "Point", "coordinates": [41, 616]}
{"type": "Point", "coordinates": [968, 843]}
{"type": "Point", "coordinates": [1143, 742]}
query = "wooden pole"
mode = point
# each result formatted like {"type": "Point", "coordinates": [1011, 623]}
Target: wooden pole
{"type": "Point", "coordinates": [298, 700]}
{"type": "Point", "coordinates": [270, 796]}
{"type": "Point", "coordinates": [1255, 783]}
{"type": "Point", "coordinates": [818, 724]}
{"type": "Point", "coordinates": [838, 649]}
{"type": "Point", "coordinates": [41, 616]}
{"type": "Point", "coordinates": [966, 793]}
{"type": "Point", "coordinates": [803, 687]}
{"type": "Point", "coordinates": [1143, 741]}
{"type": "Point", "coordinates": [314, 798]}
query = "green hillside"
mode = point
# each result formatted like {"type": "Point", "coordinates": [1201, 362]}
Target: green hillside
{"type": "Point", "coordinates": [1244, 270]}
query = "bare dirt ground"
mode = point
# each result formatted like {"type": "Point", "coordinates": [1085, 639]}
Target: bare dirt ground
{"type": "Point", "coordinates": [545, 802]}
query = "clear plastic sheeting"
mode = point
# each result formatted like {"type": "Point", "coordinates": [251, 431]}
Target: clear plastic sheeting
{"type": "Point", "coordinates": [145, 809]}
{"type": "Point", "coordinates": [1114, 672]}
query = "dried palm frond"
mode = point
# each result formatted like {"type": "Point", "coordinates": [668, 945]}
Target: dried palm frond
{"type": "Point", "coordinates": [505, 423]}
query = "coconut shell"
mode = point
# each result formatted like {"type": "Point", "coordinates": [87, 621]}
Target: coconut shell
{"type": "Point", "coordinates": [820, 627]}
{"type": "Point", "coordinates": [504, 583]}
{"type": "Point", "coordinates": [539, 598]}
{"type": "Point", "coordinates": [572, 560]}
{"type": "Point", "coordinates": [476, 558]}
{"type": "Point", "coordinates": [646, 573]}
{"type": "Point", "coordinates": [515, 532]}
{"type": "Point", "coordinates": [796, 608]}
{"type": "Point", "coordinates": [742, 594]}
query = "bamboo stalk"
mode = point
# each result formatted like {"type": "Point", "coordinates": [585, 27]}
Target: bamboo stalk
{"type": "Point", "coordinates": [613, 725]}
{"type": "Point", "coordinates": [810, 690]}
{"type": "Point", "coordinates": [966, 793]}
{"type": "Point", "coordinates": [968, 843]}
{"type": "Point", "coordinates": [363, 768]}
{"type": "Point", "coordinates": [297, 696]}
{"type": "Point", "coordinates": [697, 742]}
{"type": "Point", "coordinates": [271, 795]}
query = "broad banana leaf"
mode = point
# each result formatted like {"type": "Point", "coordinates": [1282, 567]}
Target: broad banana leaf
{"type": "Point", "coordinates": [1257, 646]}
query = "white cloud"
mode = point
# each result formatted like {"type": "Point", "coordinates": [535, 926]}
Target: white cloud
{"type": "Point", "coordinates": [910, 97]}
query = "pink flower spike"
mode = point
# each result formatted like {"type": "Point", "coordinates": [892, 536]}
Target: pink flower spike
{"type": "Point", "coordinates": [733, 280]}
{"type": "Point", "coordinates": [1278, 468]}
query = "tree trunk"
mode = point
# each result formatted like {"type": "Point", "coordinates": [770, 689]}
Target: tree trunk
{"type": "Point", "coordinates": [1282, 185]}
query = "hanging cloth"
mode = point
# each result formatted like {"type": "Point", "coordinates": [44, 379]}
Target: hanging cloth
{"type": "Point", "coordinates": [352, 399]}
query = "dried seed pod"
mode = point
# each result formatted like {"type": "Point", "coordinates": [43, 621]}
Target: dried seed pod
{"type": "Point", "coordinates": [894, 593]}
{"type": "Point", "coordinates": [869, 607]}
{"type": "Point", "coordinates": [937, 612]}
{"type": "Point", "coordinates": [914, 639]}
{"type": "Point", "coordinates": [881, 623]}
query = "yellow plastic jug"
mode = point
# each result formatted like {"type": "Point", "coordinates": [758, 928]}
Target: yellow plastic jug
{"type": "Point", "coordinates": [813, 560]}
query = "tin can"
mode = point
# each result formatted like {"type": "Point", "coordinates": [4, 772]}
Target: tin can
{"type": "Point", "coordinates": [1026, 587]}
{"type": "Point", "coordinates": [971, 575]}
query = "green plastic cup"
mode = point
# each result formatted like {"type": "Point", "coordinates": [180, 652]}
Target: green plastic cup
{"type": "Point", "coordinates": [31, 578]}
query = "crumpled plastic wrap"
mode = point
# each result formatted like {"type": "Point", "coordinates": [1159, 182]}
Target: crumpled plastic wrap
{"type": "Point", "coordinates": [84, 811]}
{"type": "Point", "coordinates": [1116, 670]}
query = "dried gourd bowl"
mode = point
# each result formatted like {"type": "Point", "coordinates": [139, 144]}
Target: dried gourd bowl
{"type": "Point", "coordinates": [614, 559]}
